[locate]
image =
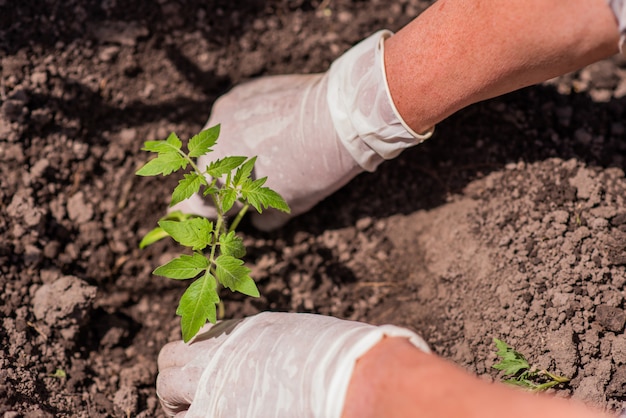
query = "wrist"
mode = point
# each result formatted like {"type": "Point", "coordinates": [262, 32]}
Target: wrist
{"type": "Point", "coordinates": [381, 380]}
{"type": "Point", "coordinates": [363, 113]}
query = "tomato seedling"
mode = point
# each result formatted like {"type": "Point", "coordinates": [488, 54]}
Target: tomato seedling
{"type": "Point", "coordinates": [216, 252]}
{"type": "Point", "coordinates": [518, 372]}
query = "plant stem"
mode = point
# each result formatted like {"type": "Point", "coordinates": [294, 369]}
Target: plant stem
{"type": "Point", "coordinates": [558, 379]}
{"type": "Point", "coordinates": [190, 161]}
{"type": "Point", "coordinates": [238, 218]}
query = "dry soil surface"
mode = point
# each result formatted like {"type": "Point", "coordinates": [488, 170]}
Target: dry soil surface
{"type": "Point", "coordinates": [510, 222]}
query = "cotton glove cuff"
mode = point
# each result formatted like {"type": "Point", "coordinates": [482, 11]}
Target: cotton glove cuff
{"type": "Point", "coordinates": [619, 10]}
{"type": "Point", "coordinates": [290, 374]}
{"type": "Point", "coordinates": [361, 107]}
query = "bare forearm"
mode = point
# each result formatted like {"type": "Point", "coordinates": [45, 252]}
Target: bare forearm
{"type": "Point", "coordinates": [459, 52]}
{"type": "Point", "coordinates": [395, 379]}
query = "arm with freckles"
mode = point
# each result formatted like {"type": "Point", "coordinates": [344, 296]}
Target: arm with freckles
{"type": "Point", "coordinates": [459, 52]}
{"type": "Point", "coordinates": [313, 133]}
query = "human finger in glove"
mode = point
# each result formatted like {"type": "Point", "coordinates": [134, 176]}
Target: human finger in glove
{"type": "Point", "coordinates": [313, 133]}
{"type": "Point", "coordinates": [275, 365]}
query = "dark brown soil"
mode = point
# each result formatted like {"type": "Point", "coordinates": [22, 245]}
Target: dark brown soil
{"type": "Point", "coordinates": [510, 222]}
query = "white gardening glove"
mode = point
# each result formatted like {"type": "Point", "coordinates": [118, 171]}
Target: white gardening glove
{"type": "Point", "coordinates": [269, 365]}
{"type": "Point", "coordinates": [311, 133]}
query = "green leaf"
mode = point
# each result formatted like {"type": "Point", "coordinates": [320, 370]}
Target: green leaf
{"type": "Point", "coordinates": [183, 267]}
{"type": "Point", "coordinates": [197, 305]}
{"type": "Point", "coordinates": [201, 143]}
{"type": "Point", "coordinates": [165, 164]}
{"type": "Point", "coordinates": [158, 233]}
{"type": "Point", "coordinates": [231, 244]}
{"type": "Point", "coordinates": [189, 185]}
{"type": "Point", "coordinates": [174, 141]}
{"type": "Point", "coordinates": [244, 172]}
{"type": "Point", "coordinates": [247, 286]}
{"type": "Point", "coordinates": [153, 236]}
{"type": "Point", "coordinates": [523, 383]}
{"type": "Point", "coordinates": [171, 144]}
{"type": "Point", "coordinates": [231, 272]}
{"type": "Point", "coordinates": [262, 197]}
{"type": "Point", "coordinates": [223, 166]}
{"type": "Point", "coordinates": [210, 190]}
{"type": "Point", "coordinates": [177, 215]}
{"type": "Point", "coordinates": [156, 146]}
{"type": "Point", "coordinates": [169, 159]}
{"type": "Point", "coordinates": [512, 362]}
{"type": "Point", "coordinates": [228, 197]}
{"type": "Point", "coordinates": [194, 232]}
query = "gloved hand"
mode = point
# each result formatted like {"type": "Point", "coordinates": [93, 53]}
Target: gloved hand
{"type": "Point", "coordinates": [268, 365]}
{"type": "Point", "coordinates": [311, 133]}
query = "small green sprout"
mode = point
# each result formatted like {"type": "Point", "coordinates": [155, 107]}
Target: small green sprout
{"type": "Point", "coordinates": [58, 373]}
{"type": "Point", "coordinates": [216, 252]}
{"type": "Point", "coordinates": [518, 372]}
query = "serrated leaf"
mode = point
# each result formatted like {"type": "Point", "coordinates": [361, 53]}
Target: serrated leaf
{"type": "Point", "coordinates": [201, 143]}
{"type": "Point", "coordinates": [183, 267]}
{"type": "Point", "coordinates": [210, 190]}
{"type": "Point", "coordinates": [263, 197]}
{"type": "Point", "coordinates": [228, 197]}
{"type": "Point", "coordinates": [171, 144]}
{"type": "Point", "coordinates": [218, 168]}
{"type": "Point", "coordinates": [174, 141]}
{"type": "Point", "coordinates": [244, 172]}
{"type": "Point", "coordinates": [247, 286]}
{"type": "Point", "coordinates": [231, 244]}
{"type": "Point", "coordinates": [164, 163]}
{"type": "Point", "coordinates": [153, 236]}
{"type": "Point", "coordinates": [188, 186]}
{"type": "Point", "coordinates": [157, 146]}
{"type": "Point", "coordinates": [197, 306]}
{"type": "Point", "coordinates": [512, 362]}
{"type": "Point", "coordinates": [194, 232]}
{"type": "Point", "coordinates": [230, 271]}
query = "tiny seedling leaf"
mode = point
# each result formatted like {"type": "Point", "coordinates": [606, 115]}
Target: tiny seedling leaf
{"type": "Point", "coordinates": [202, 143]}
{"type": "Point", "coordinates": [511, 361]}
{"type": "Point", "coordinates": [194, 232]}
{"type": "Point", "coordinates": [183, 267]}
{"type": "Point", "coordinates": [231, 244]}
{"type": "Point", "coordinates": [520, 373]}
{"type": "Point", "coordinates": [197, 305]}
{"type": "Point", "coordinates": [188, 186]}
